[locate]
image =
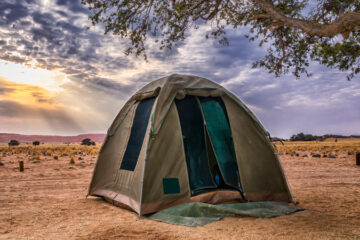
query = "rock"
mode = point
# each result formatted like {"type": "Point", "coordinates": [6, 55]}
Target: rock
{"type": "Point", "coordinates": [332, 156]}
{"type": "Point", "coordinates": [1, 164]}
{"type": "Point", "coordinates": [315, 155]}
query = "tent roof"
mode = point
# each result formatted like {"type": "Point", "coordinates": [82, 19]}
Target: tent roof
{"type": "Point", "coordinates": [180, 81]}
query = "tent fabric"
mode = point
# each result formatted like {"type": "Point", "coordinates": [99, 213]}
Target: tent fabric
{"type": "Point", "coordinates": [162, 176]}
{"type": "Point", "coordinates": [199, 214]}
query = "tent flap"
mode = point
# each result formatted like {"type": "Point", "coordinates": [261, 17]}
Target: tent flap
{"type": "Point", "coordinates": [220, 136]}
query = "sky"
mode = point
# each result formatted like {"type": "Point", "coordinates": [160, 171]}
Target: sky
{"type": "Point", "coordinates": [58, 77]}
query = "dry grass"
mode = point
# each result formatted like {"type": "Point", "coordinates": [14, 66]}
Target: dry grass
{"type": "Point", "coordinates": [47, 200]}
{"type": "Point", "coordinates": [327, 147]}
{"type": "Point", "coordinates": [36, 153]}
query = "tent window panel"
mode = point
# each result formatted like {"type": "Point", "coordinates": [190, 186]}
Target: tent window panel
{"type": "Point", "coordinates": [137, 134]}
{"type": "Point", "coordinates": [171, 185]}
{"type": "Point", "coordinates": [218, 127]}
{"type": "Point", "coordinates": [192, 127]}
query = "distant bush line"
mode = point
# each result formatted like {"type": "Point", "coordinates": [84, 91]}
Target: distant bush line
{"type": "Point", "coordinates": [310, 137]}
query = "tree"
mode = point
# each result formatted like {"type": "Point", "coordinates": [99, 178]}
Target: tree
{"type": "Point", "coordinates": [13, 143]}
{"type": "Point", "coordinates": [87, 142]}
{"type": "Point", "coordinates": [295, 31]}
{"type": "Point", "coordinates": [304, 137]}
{"type": "Point", "coordinates": [36, 143]}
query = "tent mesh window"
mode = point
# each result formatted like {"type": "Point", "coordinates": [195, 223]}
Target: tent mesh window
{"type": "Point", "coordinates": [137, 134]}
{"type": "Point", "coordinates": [171, 185]}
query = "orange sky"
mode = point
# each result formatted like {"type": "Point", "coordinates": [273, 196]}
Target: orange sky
{"type": "Point", "coordinates": [26, 94]}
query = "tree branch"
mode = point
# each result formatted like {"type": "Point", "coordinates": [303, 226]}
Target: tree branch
{"type": "Point", "coordinates": [344, 24]}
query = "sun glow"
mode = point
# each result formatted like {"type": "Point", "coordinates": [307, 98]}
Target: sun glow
{"type": "Point", "coordinates": [27, 74]}
{"type": "Point", "coordinates": [26, 94]}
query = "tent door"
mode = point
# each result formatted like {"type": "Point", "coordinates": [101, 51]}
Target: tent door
{"type": "Point", "coordinates": [208, 146]}
{"type": "Point", "coordinates": [193, 131]}
{"type": "Point", "coordinates": [218, 129]}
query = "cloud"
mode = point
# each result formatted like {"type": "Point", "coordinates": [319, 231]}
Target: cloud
{"type": "Point", "coordinates": [55, 120]}
{"type": "Point", "coordinates": [26, 94]}
{"type": "Point", "coordinates": [77, 111]}
{"type": "Point", "coordinates": [286, 106]}
{"type": "Point", "coordinates": [12, 12]}
{"type": "Point", "coordinates": [54, 42]}
{"type": "Point", "coordinates": [41, 98]}
{"type": "Point", "coordinates": [74, 6]}
{"type": "Point", "coordinates": [34, 106]}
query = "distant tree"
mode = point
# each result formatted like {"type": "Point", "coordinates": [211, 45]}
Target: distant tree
{"type": "Point", "coordinates": [14, 143]}
{"type": "Point", "coordinates": [276, 139]}
{"type": "Point", "coordinates": [87, 142]}
{"type": "Point", "coordinates": [295, 31]}
{"type": "Point", "coordinates": [36, 143]}
{"type": "Point", "coordinates": [303, 137]}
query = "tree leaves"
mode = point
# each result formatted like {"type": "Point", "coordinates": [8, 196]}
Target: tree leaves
{"type": "Point", "coordinates": [293, 32]}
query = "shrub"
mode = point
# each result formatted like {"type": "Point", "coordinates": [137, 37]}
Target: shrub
{"type": "Point", "coordinates": [14, 143]}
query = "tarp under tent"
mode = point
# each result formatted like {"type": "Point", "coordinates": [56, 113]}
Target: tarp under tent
{"type": "Point", "coordinates": [198, 214]}
{"type": "Point", "coordinates": [183, 139]}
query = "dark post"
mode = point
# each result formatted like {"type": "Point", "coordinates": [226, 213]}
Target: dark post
{"type": "Point", "coordinates": [21, 166]}
{"type": "Point", "coordinates": [358, 158]}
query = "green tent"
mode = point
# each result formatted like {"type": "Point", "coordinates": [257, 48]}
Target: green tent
{"type": "Point", "coordinates": [184, 139]}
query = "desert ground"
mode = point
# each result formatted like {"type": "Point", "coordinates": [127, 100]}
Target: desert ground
{"type": "Point", "coordinates": [48, 200]}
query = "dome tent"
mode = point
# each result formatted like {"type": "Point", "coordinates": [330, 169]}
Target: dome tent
{"type": "Point", "coordinates": [186, 139]}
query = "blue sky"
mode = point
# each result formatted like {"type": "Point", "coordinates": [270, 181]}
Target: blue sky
{"type": "Point", "coordinates": [58, 77]}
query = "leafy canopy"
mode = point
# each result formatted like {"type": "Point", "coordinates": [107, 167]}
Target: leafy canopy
{"type": "Point", "coordinates": [295, 32]}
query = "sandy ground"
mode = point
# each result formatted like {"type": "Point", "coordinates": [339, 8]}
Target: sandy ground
{"type": "Point", "coordinates": [47, 201]}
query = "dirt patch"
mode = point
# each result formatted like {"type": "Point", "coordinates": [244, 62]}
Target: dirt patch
{"type": "Point", "coordinates": [47, 201]}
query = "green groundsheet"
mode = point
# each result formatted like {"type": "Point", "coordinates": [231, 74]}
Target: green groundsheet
{"type": "Point", "coordinates": [198, 214]}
